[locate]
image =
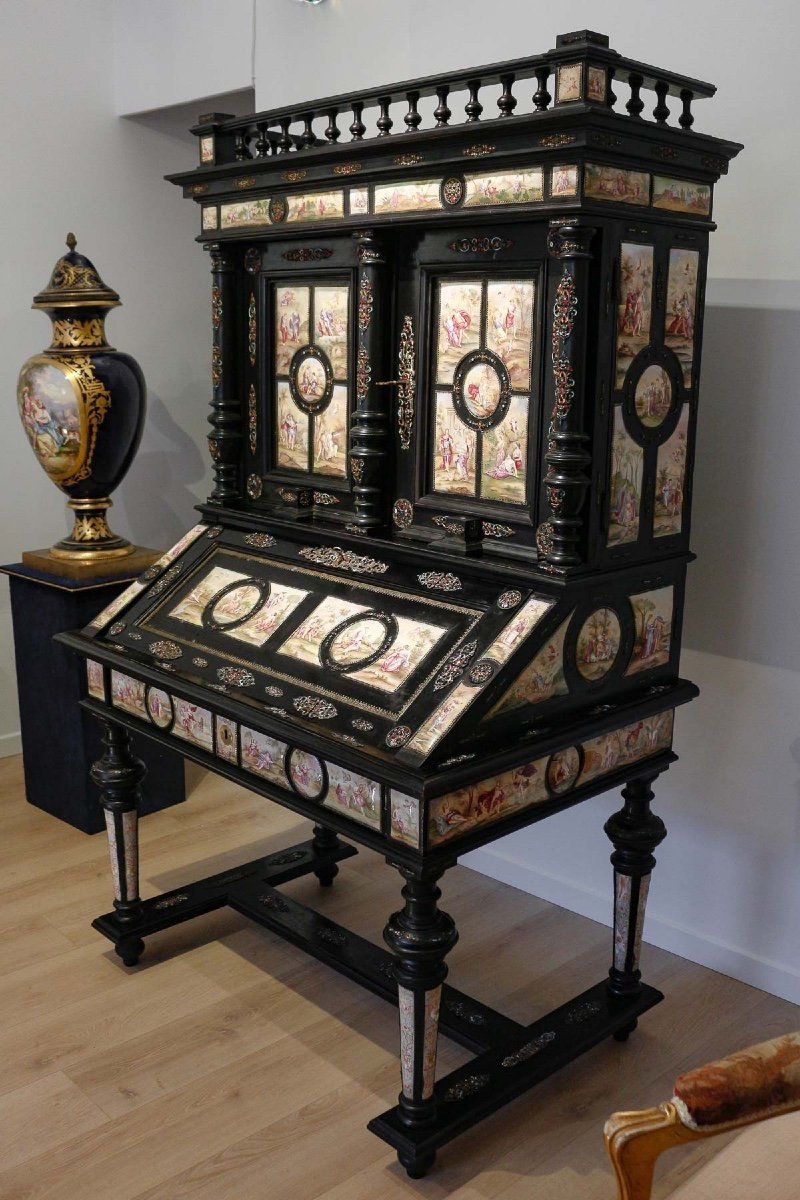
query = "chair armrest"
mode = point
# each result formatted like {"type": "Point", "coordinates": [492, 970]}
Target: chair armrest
{"type": "Point", "coordinates": [751, 1085]}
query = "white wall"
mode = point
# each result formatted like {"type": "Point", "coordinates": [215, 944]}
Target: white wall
{"type": "Point", "coordinates": [69, 163]}
{"type": "Point", "coordinates": [726, 889]}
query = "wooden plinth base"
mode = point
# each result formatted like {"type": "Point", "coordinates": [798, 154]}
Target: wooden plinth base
{"type": "Point", "coordinates": [510, 1057]}
{"type": "Point", "coordinates": [129, 565]}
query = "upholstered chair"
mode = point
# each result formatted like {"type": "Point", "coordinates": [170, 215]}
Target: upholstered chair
{"type": "Point", "coordinates": [744, 1089]}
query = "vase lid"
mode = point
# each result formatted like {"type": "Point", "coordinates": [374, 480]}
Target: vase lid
{"type": "Point", "coordinates": [75, 282]}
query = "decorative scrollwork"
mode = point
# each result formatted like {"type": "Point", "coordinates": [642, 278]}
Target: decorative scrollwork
{"type": "Point", "coordinates": [216, 307]}
{"type": "Point", "coordinates": [528, 1050]}
{"type": "Point", "coordinates": [325, 499]}
{"type": "Point", "coordinates": [166, 579]}
{"type": "Point", "coordinates": [345, 560]}
{"type": "Point", "coordinates": [398, 736]}
{"type": "Point", "coordinates": [453, 191]}
{"type": "Point", "coordinates": [582, 1012]}
{"type": "Point", "coordinates": [366, 300]}
{"type": "Point", "coordinates": [273, 902]}
{"type": "Point", "coordinates": [252, 330]}
{"type": "Point", "coordinates": [199, 661]}
{"type": "Point", "coordinates": [464, 1013]}
{"type": "Point", "coordinates": [293, 176]}
{"type": "Point", "coordinates": [357, 467]}
{"type": "Point", "coordinates": [247, 181]}
{"type": "Point", "coordinates": [553, 140]}
{"type": "Point", "coordinates": [565, 311]}
{"type": "Point", "coordinates": [465, 1087]}
{"type": "Point", "coordinates": [90, 528]}
{"type": "Point", "coordinates": [171, 901]}
{"type": "Point", "coordinates": [544, 538]}
{"type": "Point", "coordinates": [254, 486]}
{"type": "Point", "coordinates": [440, 581]}
{"type": "Point", "coordinates": [509, 599]}
{"type": "Point", "coordinates": [479, 245]}
{"type": "Point", "coordinates": [407, 160]}
{"type": "Point", "coordinates": [362, 725]}
{"type": "Point", "coordinates": [479, 150]}
{"type": "Point", "coordinates": [252, 260]}
{"type": "Point", "coordinates": [314, 707]}
{"type": "Point", "coordinates": [363, 374]}
{"type": "Point", "coordinates": [237, 676]}
{"type": "Point", "coordinates": [168, 650]}
{"type": "Point", "coordinates": [350, 168]}
{"type": "Point", "coordinates": [252, 418]}
{"type": "Point", "coordinates": [261, 541]}
{"type": "Point", "coordinates": [96, 402]}
{"type": "Point", "coordinates": [405, 391]}
{"type": "Point", "coordinates": [278, 210]}
{"type": "Point", "coordinates": [216, 366]}
{"type": "Point", "coordinates": [307, 253]}
{"type": "Point", "coordinates": [70, 332]}
{"type": "Point", "coordinates": [492, 529]}
{"type": "Point", "coordinates": [455, 665]}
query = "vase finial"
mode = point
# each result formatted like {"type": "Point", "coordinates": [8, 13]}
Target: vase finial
{"type": "Point", "coordinates": [72, 241]}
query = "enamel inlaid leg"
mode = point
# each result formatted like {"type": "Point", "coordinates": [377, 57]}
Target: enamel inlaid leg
{"type": "Point", "coordinates": [420, 936]}
{"type": "Point", "coordinates": [635, 832]}
{"type": "Point", "coordinates": [325, 839]}
{"type": "Point", "coordinates": [118, 774]}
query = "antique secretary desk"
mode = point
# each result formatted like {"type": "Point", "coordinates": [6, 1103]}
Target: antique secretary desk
{"type": "Point", "coordinates": [438, 588]}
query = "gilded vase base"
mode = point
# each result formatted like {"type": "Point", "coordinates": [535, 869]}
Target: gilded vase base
{"type": "Point", "coordinates": [127, 564]}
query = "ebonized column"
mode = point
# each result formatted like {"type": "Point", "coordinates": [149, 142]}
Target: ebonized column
{"type": "Point", "coordinates": [118, 774]}
{"type": "Point", "coordinates": [225, 440]}
{"type": "Point", "coordinates": [635, 832]}
{"type": "Point", "coordinates": [369, 430]}
{"type": "Point", "coordinates": [420, 936]}
{"type": "Point", "coordinates": [559, 538]}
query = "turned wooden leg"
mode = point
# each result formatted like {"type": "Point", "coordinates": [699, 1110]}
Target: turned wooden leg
{"type": "Point", "coordinates": [325, 839]}
{"type": "Point", "coordinates": [118, 774]}
{"type": "Point", "coordinates": [635, 832]}
{"type": "Point", "coordinates": [420, 936]}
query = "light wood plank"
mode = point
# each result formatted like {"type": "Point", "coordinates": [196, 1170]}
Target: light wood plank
{"type": "Point", "coordinates": [34, 1120]}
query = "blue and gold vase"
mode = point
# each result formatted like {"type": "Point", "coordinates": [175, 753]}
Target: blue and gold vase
{"type": "Point", "coordinates": [82, 404]}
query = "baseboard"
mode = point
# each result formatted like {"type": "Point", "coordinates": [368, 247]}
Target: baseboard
{"type": "Point", "coordinates": [10, 743]}
{"type": "Point", "coordinates": [739, 963]}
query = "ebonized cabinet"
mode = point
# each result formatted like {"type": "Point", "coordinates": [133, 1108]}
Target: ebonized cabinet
{"type": "Point", "coordinates": [437, 591]}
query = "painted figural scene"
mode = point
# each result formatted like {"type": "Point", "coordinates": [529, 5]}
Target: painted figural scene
{"type": "Point", "coordinates": [652, 612]}
{"type": "Point", "coordinates": [627, 462]}
{"type": "Point", "coordinates": [51, 416]}
{"type": "Point", "coordinates": [670, 478]}
{"type": "Point", "coordinates": [635, 304]}
{"type": "Point", "coordinates": [681, 305]}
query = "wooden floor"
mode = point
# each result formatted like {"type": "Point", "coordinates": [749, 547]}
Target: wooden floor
{"type": "Point", "coordinates": [228, 1066]}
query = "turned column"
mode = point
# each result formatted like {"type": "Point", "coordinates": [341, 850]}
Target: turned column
{"type": "Point", "coordinates": [118, 774]}
{"type": "Point", "coordinates": [369, 428]}
{"type": "Point", "coordinates": [325, 840]}
{"type": "Point", "coordinates": [635, 832]}
{"type": "Point", "coordinates": [560, 536]}
{"type": "Point", "coordinates": [225, 419]}
{"type": "Point", "coordinates": [420, 936]}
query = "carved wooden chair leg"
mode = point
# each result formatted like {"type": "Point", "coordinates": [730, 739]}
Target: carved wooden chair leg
{"type": "Point", "coordinates": [118, 774]}
{"type": "Point", "coordinates": [420, 936]}
{"type": "Point", "coordinates": [325, 839]}
{"type": "Point", "coordinates": [634, 1140]}
{"type": "Point", "coordinates": [635, 832]}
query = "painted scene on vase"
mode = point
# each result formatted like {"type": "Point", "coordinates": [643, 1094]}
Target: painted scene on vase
{"type": "Point", "coordinates": [320, 206]}
{"type": "Point", "coordinates": [404, 818]}
{"type": "Point", "coordinates": [653, 396]}
{"type": "Point", "coordinates": [193, 724]}
{"type": "Point", "coordinates": [597, 644]}
{"type": "Point", "coordinates": [483, 803]}
{"type": "Point", "coordinates": [509, 328]}
{"type": "Point", "coordinates": [614, 183]}
{"type": "Point", "coordinates": [128, 694]}
{"type": "Point", "coordinates": [627, 459]}
{"type": "Point", "coordinates": [564, 180]}
{"type": "Point", "coordinates": [459, 309]}
{"type": "Point", "coordinates": [50, 413]}
{"type": "Point", "coordinates": [416, 196]}
{"type": "Point", "coordinates": [681, 304]}
{"type": "Point", "coordinates": [226, 739]}
{"type": "Point", "coordinates": [396, 660]}
{"type": "Point", "coordinates": [94, 679]}
{"type": "Point", "coordinates": [455, 450]}
{"type": "Point", "coordinates": [621, 747]}
{"type": "Point", "coordinates": [190, 608]}
{"type": "Point", "coordinates": [354, 796]}
{"type": "Point", "coordinates": [504, 456]}
{"type": "Point", "coordinates": [513, 187]}
{"type": "Point", "coordinates": [264, 756]}
{"type": "Point", "coordinates": [634, 304]}
{"type": "Point", "coordinates": [670, 479]}
{"type": "Point", "coordinates": [292, 307]}
{"type": "Point", "coordinates": [542, 679]}
{"type": "Point", "coordinates": [292, 428]}
{"type": "Point", "coordinates": [652, 615]}
{"type": "Point", "coordinates": [330, 436]}
{"type": "Point", "coordinates": [681, 195]}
